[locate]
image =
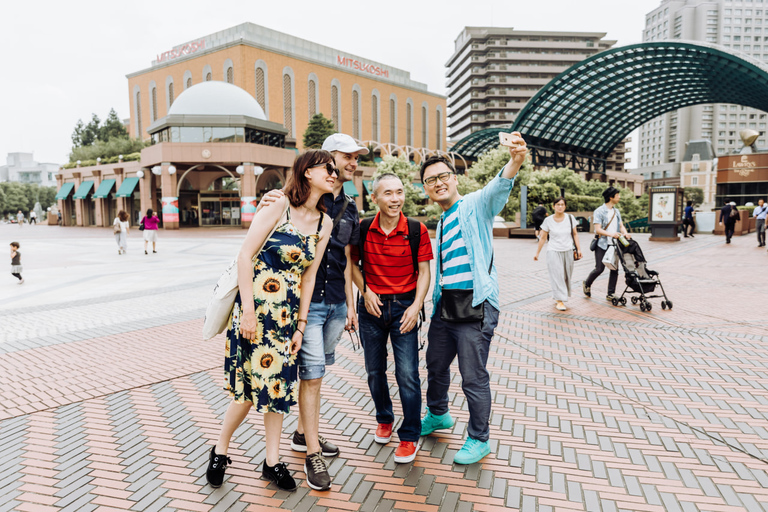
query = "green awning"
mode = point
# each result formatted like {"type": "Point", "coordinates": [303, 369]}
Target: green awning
{"type": "Point", "coordinates": [377, 159]}
{"type": "Point", "coordinates": [84, 189]}
{"type": "Point", "coordinates": [350, 189]}
{"type": "Point", "coordinates": [104, 189]}
{"type": "Point", "coordinates": [420, 189]}
{"type": "Point", "coordinates": [64, 191]}
{"type": "Point", "coordinates": [368, 184]}
{"type": "Point", "coordinates": [126, 189]}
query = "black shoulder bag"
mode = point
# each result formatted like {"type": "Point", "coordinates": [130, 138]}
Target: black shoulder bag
{"type": "Point", "coordinates": [456, 305]}
{"type": "Point", "coordinates": [593, 244]}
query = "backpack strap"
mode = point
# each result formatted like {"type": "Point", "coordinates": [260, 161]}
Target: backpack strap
{"type": "Point", "coordinates": [365, 225]}
{"type": "Point", "coordinates": [339, 215]}
{"type": "Point", "coordinates": [414, 240]}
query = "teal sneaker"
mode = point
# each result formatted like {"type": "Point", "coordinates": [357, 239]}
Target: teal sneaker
{"type": "Point", "coordinates": [431, 422]}
{"type": "Point", "coordinates": [472, 451]}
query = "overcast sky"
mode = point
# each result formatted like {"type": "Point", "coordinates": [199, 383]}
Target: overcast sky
{"type": "Point", "coordinates": [62, 61]}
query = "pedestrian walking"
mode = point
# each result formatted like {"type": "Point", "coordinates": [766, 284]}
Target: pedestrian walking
{"type": "Point", "coordinates": [16, 267]}
{"type": "Point", "coordinates": [537, 216]}
{"type": "Point", "coordinates": [32, 217]}
{"type": "Point", "coordinates": [465, 296]}
{"type": "Point", "coordinates": [688, 221]}
{"type": "Point", "coordinates": [120, 227]}
{"type": "Point", "coordinates": [562, 250]}
{"type": "Point", "coordinates": [760, 213]}
{"type": "Point", "coordinates": [58, 214]}
{"type": "Point", "coordinates": [331, 312]}
{"type": "Point", "coordinates": [395, 252]}
{"type": "Point", "coordinates": [729, 214]}
{"type": "Point", "coordinates": [150, 222]}
{"type": "Point", "coordinates": [266, 326]}
{"type": "Point", "coordinates": [20, 218]}
{"type": "Point", "coordinates": [607, 223]}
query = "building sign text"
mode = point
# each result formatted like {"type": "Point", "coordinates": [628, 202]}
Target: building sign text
{"type": "Point", "coordinates": [180, 51]}
{"type": "Point", "coordinates": [362, 66]}
{"type": "Point", "coordinates": [745, 167]}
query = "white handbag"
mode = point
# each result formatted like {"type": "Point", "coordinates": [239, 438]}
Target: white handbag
{"type": "Point", "coordinates": [223, 300]}
{"type": "Point", "coordinates": [611, 259]}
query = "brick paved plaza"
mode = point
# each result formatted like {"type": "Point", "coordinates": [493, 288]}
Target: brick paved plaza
{"type": "Point", "coordinates": [111, 400]}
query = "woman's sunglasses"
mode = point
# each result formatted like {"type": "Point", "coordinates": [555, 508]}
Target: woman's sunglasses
{"type": "Point", "coordinates": [328, 167]}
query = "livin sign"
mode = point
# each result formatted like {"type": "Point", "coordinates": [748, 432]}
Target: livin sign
{"type": "Point", "coordinates": [744, 168]}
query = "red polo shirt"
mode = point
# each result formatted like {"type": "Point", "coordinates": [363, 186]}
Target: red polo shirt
{"type": "Point", "coordinates": [388, 264]}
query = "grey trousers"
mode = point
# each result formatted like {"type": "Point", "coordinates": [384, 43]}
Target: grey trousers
{"type": "Point", "coordinates": [760, 225]}
{"type": "Point", "coordinates": [560, 266]}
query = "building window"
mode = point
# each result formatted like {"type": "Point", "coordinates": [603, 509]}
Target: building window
{"type": "Point", "coordinates": [356, 115]}
{"type": "Point", "coordinates": [230, 76]}
{"type": "Point", "coordinates": [287, 105]}
{"type": "Point", "coordinates": [335, 106]}
{"type": "Point", "coordinates": [312, 98]}
{"type": "Point", "coordinates": [408, 124]}
{"type": "Point", "coordinates": [260, 92]}
{"type": "Point", "coordinates": [170, 93]}
{"type": "Point", "coordinates": [424, 141]}
{"type": "Point", "coordinates": [392, 127]}
{"type": "Point", "coordinates": [138, 116]}
{"type": "Point", "coordinates": [375, 118]}
{"type": "Point", "coordinates": [695, 180]}
{"type": "Point", "coordinates": [189, 82]}
{"type": "Point", "coordinates": [154, 104]}
{"type": "Point", "coordinates": [439, 129]}
{"type": "Point", "coordinates": [208, 77]}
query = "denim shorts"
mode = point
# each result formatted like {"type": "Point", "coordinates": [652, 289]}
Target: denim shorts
{"type": "Point", "coordinates": [325, 325]}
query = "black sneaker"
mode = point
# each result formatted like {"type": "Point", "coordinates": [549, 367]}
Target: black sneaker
{"type": "Point", "coordinates": [280, 475]}
{"type": "Point", "coordinates": [586, 289]}
{"type": "Point", "coordinates": [610, 297]}
{"type": "Point", "coordinates": [217, 466]}
{"type": "Point", "coordinates": [316, 469]}
{"type": "Point", "coordinates": [299, 444]}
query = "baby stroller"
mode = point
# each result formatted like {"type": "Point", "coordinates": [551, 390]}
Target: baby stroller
{"type": "Point", "coordinates": [640, 280]}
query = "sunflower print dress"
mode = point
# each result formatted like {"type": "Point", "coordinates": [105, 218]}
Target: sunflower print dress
{"type": "Point", "coordinates": [263, 371]}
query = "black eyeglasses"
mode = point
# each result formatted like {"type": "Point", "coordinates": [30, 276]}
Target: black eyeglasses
{"type": "Point", "coordinates": [443, 176]}
{"type": "Point", "coordinates": [328, 167]}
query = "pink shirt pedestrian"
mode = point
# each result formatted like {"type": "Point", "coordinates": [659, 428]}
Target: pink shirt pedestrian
{"type": "Point", "coordinates": [150, 223]}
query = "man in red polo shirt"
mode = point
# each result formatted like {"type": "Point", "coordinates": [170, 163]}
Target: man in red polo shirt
{"type": "Point", "coordinates": [393, 295]}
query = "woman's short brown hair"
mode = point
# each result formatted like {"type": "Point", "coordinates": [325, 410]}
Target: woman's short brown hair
{"type": "Point", "coordinates": [298, 188]}
{"type": "Point", "coordinates": [123, 216]}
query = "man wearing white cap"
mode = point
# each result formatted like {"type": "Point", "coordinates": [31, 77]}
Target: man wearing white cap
{"type": "Point", "coordinates": [331, 312]}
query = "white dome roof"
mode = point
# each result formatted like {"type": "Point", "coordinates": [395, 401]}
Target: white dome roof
{"type": "Point", "coordinates": [216, 99]}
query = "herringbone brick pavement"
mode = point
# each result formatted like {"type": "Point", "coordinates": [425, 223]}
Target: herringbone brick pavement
{"type": "Point", "coordinates": [597, 408]}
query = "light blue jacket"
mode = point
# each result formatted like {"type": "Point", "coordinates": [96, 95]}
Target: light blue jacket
{"type": "Point", "coordinates": [601, 216]}
{"type": "Point", "coordinates": [476, 212]}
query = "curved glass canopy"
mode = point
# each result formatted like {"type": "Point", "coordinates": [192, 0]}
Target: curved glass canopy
{"type": "Point", "coordinates": [592, 106]}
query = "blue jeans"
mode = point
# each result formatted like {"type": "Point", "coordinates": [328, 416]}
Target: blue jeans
{"type": "Point", "coordinates": [471, 342]}
{"type": "Point", "coordinates": [373, 336]}
{"type": "Point", "coordinates": [325, 325]}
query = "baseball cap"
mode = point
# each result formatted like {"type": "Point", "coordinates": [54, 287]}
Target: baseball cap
{"type": "Point", "coordinates": [344, 143]}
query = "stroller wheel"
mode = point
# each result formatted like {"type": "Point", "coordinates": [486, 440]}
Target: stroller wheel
{"type": "Point", "coordinates": [634, 300]}
{"type": "Point", "coordinates": [642, 306]}
{"type": "Point", "coordinates": [615, 302]}
{"type": "Point", "coordinates": [669, 304]}
{"type": "Point", "coordinates": [663, 304]}
{"type": "Point", "coordinates": [648, 306]}
{"type": "Point", "coordinates": [623, 301]}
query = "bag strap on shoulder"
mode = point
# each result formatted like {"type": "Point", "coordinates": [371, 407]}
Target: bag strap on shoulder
{"type": "Point", "coordinates": [339, 215]}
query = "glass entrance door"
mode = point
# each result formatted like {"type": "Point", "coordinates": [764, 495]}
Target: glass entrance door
{"type": "Point", "coordinates": [219, 211]}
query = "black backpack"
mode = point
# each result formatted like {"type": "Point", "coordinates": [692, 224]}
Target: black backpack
{"type": "Point", "coordinates": [414, 238]}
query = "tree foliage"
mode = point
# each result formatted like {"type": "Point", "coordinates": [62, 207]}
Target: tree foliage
{"type": "Point", "coordinates": [694, 194]}
{"type": "Point", "coordinates": [16, 196]}
{"type": "Point", "coordinates": [97, 140]}
{"type": "Point", "coordinates": [318, 129]}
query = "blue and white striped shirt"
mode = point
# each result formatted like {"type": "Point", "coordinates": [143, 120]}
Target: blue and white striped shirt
{"type": "Point", "coordinates": [456, 271]}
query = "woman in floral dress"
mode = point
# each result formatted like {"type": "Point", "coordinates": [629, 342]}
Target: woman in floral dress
{"type": "Point", "coordinates": [266, 331]}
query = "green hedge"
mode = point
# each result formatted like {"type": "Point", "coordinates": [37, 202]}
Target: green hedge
{"type": "Point", "coordinates": [132, 157]}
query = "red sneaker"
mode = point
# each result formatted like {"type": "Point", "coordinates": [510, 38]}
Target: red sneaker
{"type": "Point", "coordinates": [406, 452]}
{"type": "Point", "coordinates": [383, 433]}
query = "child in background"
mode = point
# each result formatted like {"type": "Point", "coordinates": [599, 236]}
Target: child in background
{"type": "Point", "coordinates": [16, 262]}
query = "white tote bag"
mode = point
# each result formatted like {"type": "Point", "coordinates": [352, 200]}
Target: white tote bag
{"type": "Point", "coordinates": [611, 260]}
{"type": "Point", "coordinates": [224, 293]}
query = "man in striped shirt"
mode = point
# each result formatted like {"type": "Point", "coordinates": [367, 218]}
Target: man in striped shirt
{"type": "Point", "coordinates": [465, 262]}
{"type": "Point", "coordinates": [393, 293]}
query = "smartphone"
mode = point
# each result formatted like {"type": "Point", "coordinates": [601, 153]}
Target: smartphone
{"type": "Point", "coordinates": [505, 139]}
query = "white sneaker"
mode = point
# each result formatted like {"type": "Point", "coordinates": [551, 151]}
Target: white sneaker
{"type": "Point", "coordinates": [21, 282]}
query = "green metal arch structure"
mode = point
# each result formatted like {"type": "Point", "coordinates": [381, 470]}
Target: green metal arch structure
{"type": "Point", "coordinates": [579, 117]}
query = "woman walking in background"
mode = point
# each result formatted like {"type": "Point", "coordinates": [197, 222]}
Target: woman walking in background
{"type": "Point", "coordinates": [150, 222]}
{"type": "Point", "coordinates": [16, 262]}
{"type": "Point", "coordinates": [120, 227]}
{"type": "Point", "coordinates": [270, 311]}
{"type": "Point", "coordinates": [562, 251]}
